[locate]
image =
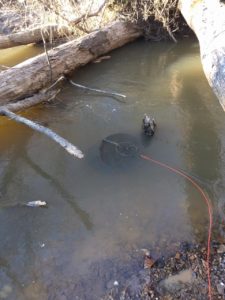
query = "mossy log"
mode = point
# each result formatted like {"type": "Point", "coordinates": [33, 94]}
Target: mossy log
{"type": "Point", "coordinates": [32, 75]}
{"type": "Point", "coordinates": [207, 19]}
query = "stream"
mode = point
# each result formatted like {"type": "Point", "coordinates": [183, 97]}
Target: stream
{"type": "Point", "coordinates": [101, 210]}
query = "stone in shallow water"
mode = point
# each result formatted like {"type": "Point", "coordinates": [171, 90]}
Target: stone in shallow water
{"type": "Point", "coordinates": [221, 249]}
{"type": "Point", "coordinates": [177, 281]}
{"type": "Point", "coordinates": [221, 288]}
{"type": "Point", "coordinates": [5, 291]}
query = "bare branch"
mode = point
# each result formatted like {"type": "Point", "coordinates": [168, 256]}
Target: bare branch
{"type": "Point", "coordinates": [97, 90]}
{"type": "Point", "coordinates": [4, 67]}
{"type": "Point", "coordinates": [47, 94]}
{"type": "Point", "coordinates": [59, 80]}
{"type": "Point", "coordinates": [89, 15]}
{"type": "Point", "coordinates": [70, 148]}
{"type": "Point", "coordinates": [46, 52]}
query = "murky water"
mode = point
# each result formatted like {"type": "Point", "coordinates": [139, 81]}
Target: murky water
{"type": "Point", "coordinates": [97, 210]}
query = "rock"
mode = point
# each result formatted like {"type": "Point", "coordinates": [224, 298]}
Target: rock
{"type": "Point", "coordinates": [185, 246]}
{"type": "Point", "coordinates": [160, 263]}
{"type": "Point", "coordinates": [115, 283]}
{"type": "Point", "coordinates": [221, 249]}
{"type": "Point", "coordinates": [221, 288]}
{"type": "Point", "coordinates": [176, 281]}
{"type": "Point", "coordinates": [146, 252]}
{"type": "Point", "coordinates": [177, 256]}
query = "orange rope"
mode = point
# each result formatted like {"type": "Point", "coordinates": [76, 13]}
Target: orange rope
{"type": "Point", "coordinates": [207, 201]}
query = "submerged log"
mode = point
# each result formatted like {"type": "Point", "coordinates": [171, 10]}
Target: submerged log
{"type": "Point", "coordinates": [32, 75]}
{"type": "Point", "coordinates": [207, 19]}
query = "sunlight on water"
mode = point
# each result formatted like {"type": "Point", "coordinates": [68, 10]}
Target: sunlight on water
{"type": "Point", "coordinates": [12, 56]}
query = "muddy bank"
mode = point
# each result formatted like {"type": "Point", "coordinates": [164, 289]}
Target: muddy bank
{"type": "Point", "coordinates": [180, 275]}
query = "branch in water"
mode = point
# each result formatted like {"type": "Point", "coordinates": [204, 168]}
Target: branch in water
{"type": "Point", "coordinates": [45, 95]}
{"type": "Point", "coordinates": [30, 101]}
{"type": "Point", "coordinates": [96, 90]}
{"type": "Point", "coordinates": [70, 148]}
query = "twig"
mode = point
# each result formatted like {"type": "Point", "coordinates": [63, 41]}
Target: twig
{"type": "Point", "coordinates": [61, 78]}
{"type": "Point", "coordinates": [85, 15]}
{"type": "Point", "coordinates": [102, 14]}
{"type": "Point", "coordinates": [96, 90]}
{"type": "Point", "coordinates": [70, 148]}
{"type": "Point", "coordinates": [4, 67]}
{"type": "Point", "coordinates": [47, 56]}
{"type": "Point", "coordinates": [171, 34]}
{"type": "Point", "coordinates": [77, 20]}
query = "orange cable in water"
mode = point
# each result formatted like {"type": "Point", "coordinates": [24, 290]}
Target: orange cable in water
{"type": "Point", "coordinates": [207, 202]}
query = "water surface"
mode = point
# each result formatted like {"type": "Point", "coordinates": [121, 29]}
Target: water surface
{"type": "Point", "coordinates": [95, 210]}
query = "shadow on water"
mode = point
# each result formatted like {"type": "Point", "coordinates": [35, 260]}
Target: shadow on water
{"type": "Point", "coordinates": [66, 196]}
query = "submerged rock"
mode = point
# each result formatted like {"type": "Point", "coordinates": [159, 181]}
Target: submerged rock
{"type": "Point", "coordinates": [177, 281]}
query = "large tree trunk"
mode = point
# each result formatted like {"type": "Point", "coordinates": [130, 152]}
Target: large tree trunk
{"type": "Point", "coordinates": [33, 74]}
{"type": "Point", "coordinates": [207, 20]}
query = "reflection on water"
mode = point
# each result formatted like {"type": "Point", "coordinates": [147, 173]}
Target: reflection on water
{"type": "Point", "coordinates": [95, 210]}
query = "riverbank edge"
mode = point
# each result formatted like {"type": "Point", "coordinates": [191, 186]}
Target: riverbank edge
{"type": "Point", "coordinates": [182, 274]}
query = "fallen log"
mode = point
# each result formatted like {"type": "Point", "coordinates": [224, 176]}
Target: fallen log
{"type": "Point", "coordinates": [34, 35]}
{"type": "Point", "coordinates": [32, 75]}
{"type": "Point", "coordinates": [207, 19]}
{"type": "Point", "coordinates": [49, 32]}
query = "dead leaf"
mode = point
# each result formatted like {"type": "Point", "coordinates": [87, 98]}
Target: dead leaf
{"type": "Point", "coordinates": [148, 263]}
{"type": "Point", "coordinates": [177, 256]}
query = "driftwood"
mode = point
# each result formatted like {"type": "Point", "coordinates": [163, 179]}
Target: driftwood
{"type": "Point", "coordinates": [97, 90]}
{"type": "Point", "coordinates": [32, 75]}
{"type": "Point", "coordinates": [45, 95]}
{"type": "Point", "coordinates": [34, 35]}
{"type": "Point", "coordinates": [70, 148]}
{"type": "Point", "coordinates": [31, 101]}
{"type": "Point", "coordinates": [207, 20]}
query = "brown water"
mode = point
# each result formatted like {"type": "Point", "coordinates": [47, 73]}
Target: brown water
{"type": "Point", "coordinates": [97, 211]}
